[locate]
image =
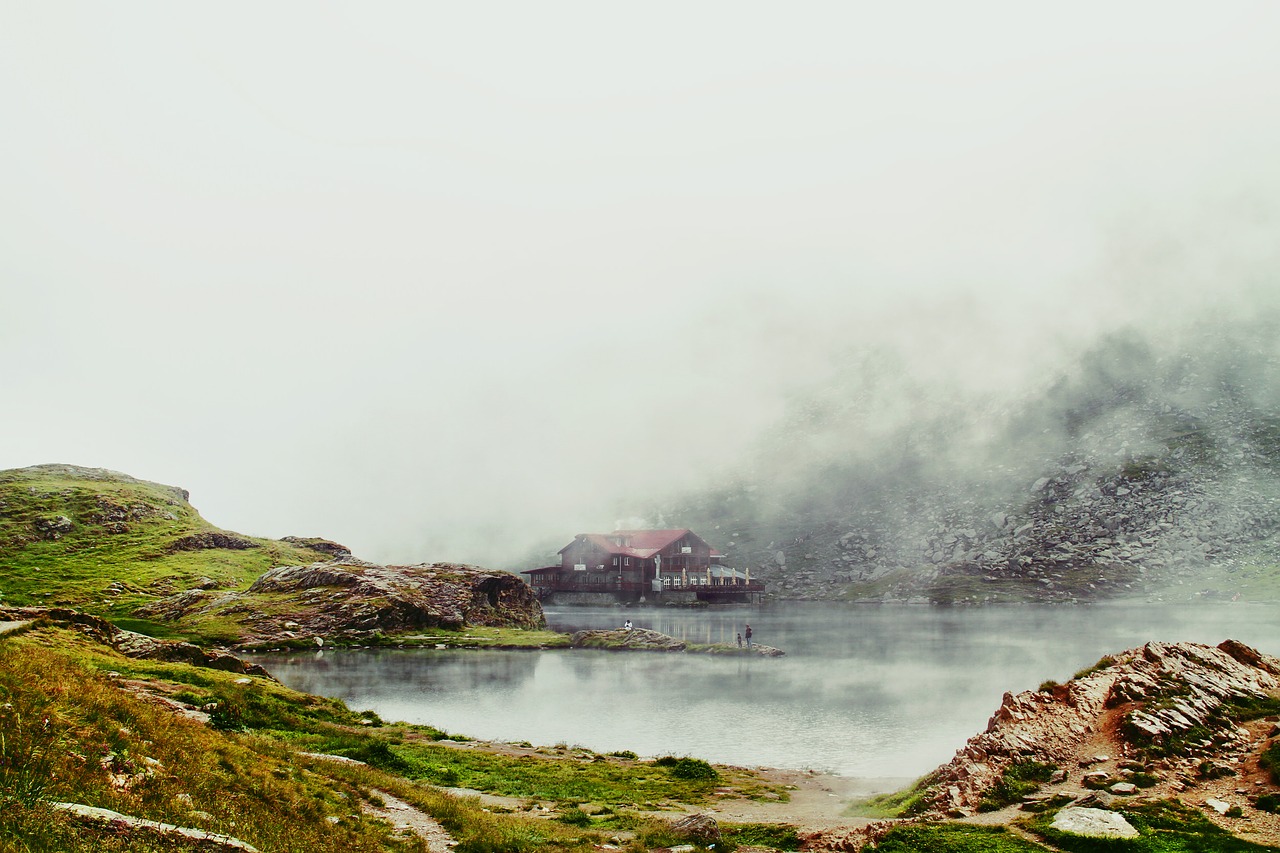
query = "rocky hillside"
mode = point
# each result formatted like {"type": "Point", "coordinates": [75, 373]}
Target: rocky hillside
{"type": "Point", "coordinates": [1151, 465]}
{"type": "Point", "coordinates": [1166, 722]}
{"type": "Point", "coordinates": [140, 554]}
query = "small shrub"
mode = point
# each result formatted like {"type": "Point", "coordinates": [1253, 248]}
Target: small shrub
{"type": "Point", "coordinates": [575, 816]}
{"type": "Point", "coordinates": [1144, 780]}
{"type": "Point", "coordinates": [1017, 781]}
{"type": "Point", "coordinates": [1268, 803]}
{"type": "Point", "coordinates": [692, 769]}
{"type": "Point", "coordinates": [1270, 760]}
{"type": "Point", "coordinates": [1104, 662]}
{"type": "Point", "coordinates": [625, 753]}
{"type": "Point", "coordinates": [1234, 811]}
{"type": "Point", "coordinates": [1047, 686]}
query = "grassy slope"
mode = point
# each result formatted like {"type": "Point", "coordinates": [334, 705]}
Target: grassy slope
{"type": "Point", "coordinates": [69, 731]}
{"type": "Point", "coordinates": [77, 568]}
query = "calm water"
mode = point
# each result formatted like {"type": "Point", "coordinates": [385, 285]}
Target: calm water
{"type": "Point", "coordinates": [866, 691]}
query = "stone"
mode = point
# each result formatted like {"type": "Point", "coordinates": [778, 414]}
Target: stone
{"type": "Point", "coordinates": [117, 821]}
{"type": "Point", "coordinates": [1124, 789]}
{"type": "Point", "coordinates": [1218, 805]}
{"type": "Point", "coordinates": [700, 828]}
{"type": "Point", "coordinates": [1094, 823]}
{"type": "Point", "coordinates": [209, 541]}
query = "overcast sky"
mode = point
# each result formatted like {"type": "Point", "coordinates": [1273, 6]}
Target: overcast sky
{"type": "Point", "coordinates": [439, 280]}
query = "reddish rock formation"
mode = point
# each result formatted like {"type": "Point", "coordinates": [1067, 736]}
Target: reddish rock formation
{"type": "Point", "coordinates": [1147, 702]}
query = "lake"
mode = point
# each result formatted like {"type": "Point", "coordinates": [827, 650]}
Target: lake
{"type": "Point", "coordinates": [869, 691]}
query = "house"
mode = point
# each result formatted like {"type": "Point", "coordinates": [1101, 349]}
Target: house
{"type": "Point", "coordinates": [636, 565]}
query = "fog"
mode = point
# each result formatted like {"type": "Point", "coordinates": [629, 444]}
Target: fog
{"type": "Point", "coordinates": [458, 283]}
{"type": "Point", "coordinates": [873, 692]}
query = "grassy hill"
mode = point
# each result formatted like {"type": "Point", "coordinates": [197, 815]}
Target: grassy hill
{"type": "Point", "coordinates": [106, 543]}
{"type": "Point", "coordinates": [82, 724]}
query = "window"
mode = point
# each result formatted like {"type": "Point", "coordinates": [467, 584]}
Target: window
{"type": "Point", "coordinates": [626, 561]}
{"type": "Point", "coordinates": [615, 561]}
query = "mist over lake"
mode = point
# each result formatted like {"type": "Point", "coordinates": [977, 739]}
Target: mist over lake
{"type": "Point", "coordinates": [877, 691]}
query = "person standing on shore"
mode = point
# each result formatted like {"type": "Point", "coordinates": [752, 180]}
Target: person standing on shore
{"type": "Point", "coordinates": [747, 635]}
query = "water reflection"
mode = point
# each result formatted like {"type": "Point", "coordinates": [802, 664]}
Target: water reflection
{"type": "Point", "coordinates": [867, 691]}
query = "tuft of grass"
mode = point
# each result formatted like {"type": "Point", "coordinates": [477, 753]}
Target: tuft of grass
{"type": "Point", "coordinates": [688, 768]}
{"type": "Point", "coordinates": [1104, 662]}
{"type": "Point", "coordinates": [1270, 760]}
{"type": "Point", "coordinates": [1017, 781]}
{"type": "Point", "coordinates": [775, 836]}
{"type": "Point", "coordinates": [905, 803]}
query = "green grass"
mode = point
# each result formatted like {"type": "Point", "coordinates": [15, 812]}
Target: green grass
{"type": "Point", "coordinates": [66, 726]}
{"type": "Point", "coordinates": [1166, 826]}
{"type": "Point", "coordinates": [1270, 760]}
{"type": "Point", "coordinates": [1017, 781]}
{"type": "Point", "coordinates": [952, 838]}
{"type": "Point", "coordinates": [905, 803]}
{"type": "Point", "coordinates": [71, 734]}
{"type": "Point", "coordinates": [1104, 662]}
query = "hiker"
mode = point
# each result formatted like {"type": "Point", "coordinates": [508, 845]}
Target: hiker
{"type": "Point", "coordinates": [747, 634]}
{"type": "Point", "coordinates": [739, 641]}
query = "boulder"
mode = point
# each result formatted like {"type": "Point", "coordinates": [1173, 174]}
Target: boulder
{"type": "Point", "coordinates": [701, 828]}
{"type": "Point", "coordinates": [209, 541]}
{"type": "Point", "coordinates": [1095, 823]}
{"type": "Point", "coordinates": [324, 546]}
{"type": "Point", "coordinates": [640, 639]}
{"type": "Point", "coordinates": [53, 528]}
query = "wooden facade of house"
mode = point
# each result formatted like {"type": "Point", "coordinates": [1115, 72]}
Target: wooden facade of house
{"type": "Point", "coordinates": [639, 564]}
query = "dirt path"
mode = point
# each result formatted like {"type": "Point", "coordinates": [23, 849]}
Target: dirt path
{"type": "Point", "coordinates": [409, 820]}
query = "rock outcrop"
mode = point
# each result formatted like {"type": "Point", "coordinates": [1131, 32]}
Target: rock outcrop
{"type": "Point", "coordinates": [349, 599]}
{"type": "Point", "coordinates": [210, 540]}
{"type": "Point", "coordinates": [324, 546]}
{"type": "Point", "coordinates": [1164, 705]}
{"type": "Point", "coordinates": [131, 644]}
{"type": "Point", "coordinates": [637, 639]}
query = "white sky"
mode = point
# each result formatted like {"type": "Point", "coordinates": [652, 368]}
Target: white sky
{"type": "Point", "coordinates": [441, 279]}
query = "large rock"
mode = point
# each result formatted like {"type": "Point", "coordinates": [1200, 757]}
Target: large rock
{"type": "Point", "coordinates": [640, 639]}
{"type": "Point", "coordinates": [211, 540]}
{"type": "Point", "coordinates": [350, 598]}
{"type": "Point", "coordinates": [701, 828]}
{"type": "Point", "coordinates": [1095, 823]}
{"type": "Point", "coordinates": [398, 598]}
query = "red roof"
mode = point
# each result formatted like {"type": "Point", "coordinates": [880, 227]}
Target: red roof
{"type": "Point", "coordinates": [636, 543]}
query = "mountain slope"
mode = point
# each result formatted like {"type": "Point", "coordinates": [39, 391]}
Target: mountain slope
{"type": "Point", "coordinates": [1151, 464]}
